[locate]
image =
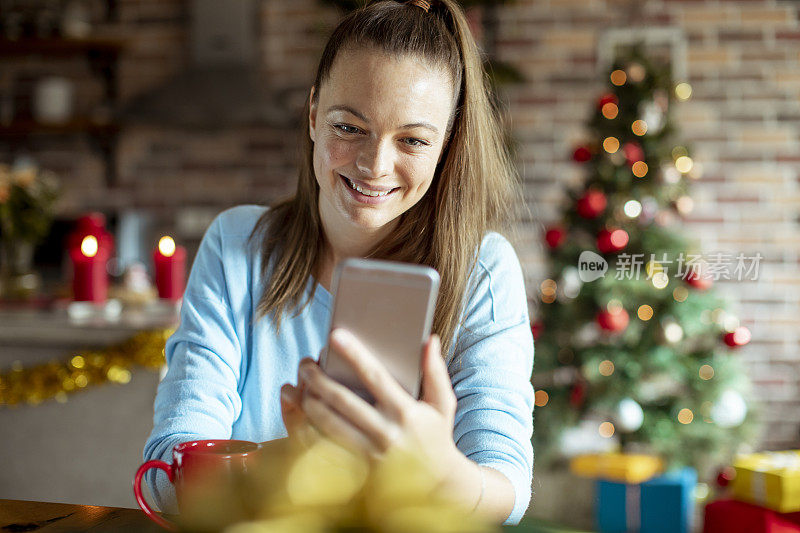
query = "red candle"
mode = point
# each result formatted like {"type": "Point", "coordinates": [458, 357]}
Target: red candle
{"type": "Point", "coordinates": [170, 266]}
{"type": "Point", "coordinates": [90, 280]}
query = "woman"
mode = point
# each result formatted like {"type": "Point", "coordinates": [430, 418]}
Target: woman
{"type": "Point", "coordinates": [404, 161]}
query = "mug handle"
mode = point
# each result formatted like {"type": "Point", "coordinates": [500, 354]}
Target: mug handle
{"type": "Point", "coordinates": [137, 491]}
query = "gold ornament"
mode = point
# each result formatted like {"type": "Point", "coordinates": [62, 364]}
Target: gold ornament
{"type": "Point", "coordinates": [56, 379]}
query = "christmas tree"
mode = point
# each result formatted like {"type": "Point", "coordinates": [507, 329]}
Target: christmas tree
{"type": "Point", "coordinates": [633, 346]}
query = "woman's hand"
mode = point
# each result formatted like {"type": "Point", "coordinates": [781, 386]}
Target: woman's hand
{"type": "Point", "coordinates": [396, 420]}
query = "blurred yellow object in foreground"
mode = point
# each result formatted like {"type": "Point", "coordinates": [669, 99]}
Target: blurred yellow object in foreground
{"type": "Point", "coordinates": [325, 487]}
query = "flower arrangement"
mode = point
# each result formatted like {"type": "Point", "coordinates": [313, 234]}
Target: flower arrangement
{"type": "Point", "coordinates": [27, 198]}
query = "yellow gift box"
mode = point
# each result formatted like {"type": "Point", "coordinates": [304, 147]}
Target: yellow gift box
{"type": "Point", "coordinates": [621, 467]}
{"type": "Point", "coordinates": [770, 479]}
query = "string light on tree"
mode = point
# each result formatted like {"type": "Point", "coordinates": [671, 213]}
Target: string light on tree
{"type": "Point", "coordinates": [606, 368]}
{"type": "Point", "coordinates": [683, 91]}
{"type": "Point", "coordinates": [606, 430]}
{"type": "Point", "coordinates": [632, 208]}
{"type": "Point", "coordinates": [639, 127]}
{"type": "Point", "coordinates": [645, 312]}
{"type": "Point", "coordinates": [706, 372]}
{"type": "Point", "coordinates": [684, 164]}
{"type": "Point", "coordinates": [610, 110]}
{"type": "Point", "coordinates": [639, 169]}
{"type": "Point", "coordinates": [636, 72]}
{"type": "Point", "coordinates": [618, 77]}
{"type": "Point", "coordinates": [548, 290]}
{"type": "Point", "coordinates": [611, 144]}
{"type": "Point", "coordinates": [541, 398]}
{"type": "Point", "coordinates": [685, 416]}
{"type": "Point", "coordinates": [679, 294]}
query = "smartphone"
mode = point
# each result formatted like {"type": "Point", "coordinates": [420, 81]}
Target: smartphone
{"type": "Point", "coordinates": [389, 307]}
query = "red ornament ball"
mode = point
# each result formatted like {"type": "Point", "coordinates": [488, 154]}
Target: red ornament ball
{"type": "Point", "coordinates": [577, 394]}
{"type": "Point", "coordinates": [607, 98]}
{"type": "Point", "coordinates": [592, 204]}
{"type": "Point", "coordinates": [536, 329]}
{"type": "Point", "coordinates": [697, 279]}
{"type": "Point", "coordinates": [582, 154]}
{"type": "Point", "coordinates": [612, 240]}
{"type": "Point", "coordinates": [555, 236]}
{"type": "Point", "coordinates": [615, 321]}
{"type": "Point", "coordinates": [633, 152]}
{"type": "Point", "coordinates": [738, 337]}
{"type": "Point", "coordinates": [725, 476]}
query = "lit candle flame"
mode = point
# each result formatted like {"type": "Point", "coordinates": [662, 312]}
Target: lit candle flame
{"type": "Point", "coordinates": [89, 246]}
{"type": "Point", "coordinates": [166, 245]}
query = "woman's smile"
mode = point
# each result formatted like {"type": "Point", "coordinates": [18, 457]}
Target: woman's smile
{"type": "Point", "coordinates": [365, 194]}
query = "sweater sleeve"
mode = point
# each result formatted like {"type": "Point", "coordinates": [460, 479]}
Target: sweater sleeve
{"type": "Point", "coordinates": [491, 372]}
{"type": "Point", "coordinates": [198, 397]}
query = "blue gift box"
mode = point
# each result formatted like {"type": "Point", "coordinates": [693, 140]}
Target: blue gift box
{"type": "Point", "coordinates": [662, 504]}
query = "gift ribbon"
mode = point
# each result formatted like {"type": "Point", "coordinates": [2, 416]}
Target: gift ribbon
{"type": "Point", "coordinates": [633, 507]}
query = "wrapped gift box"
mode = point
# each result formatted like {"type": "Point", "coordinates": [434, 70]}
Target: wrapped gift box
{"type": "Point", "coordinates": [730, 516]}
{"type": "Point", "coordinates": [622, 467]}
{"type": "Point", "coordinates": [661, 505]}
{"type": "Point", "coordinates": [770, 479]}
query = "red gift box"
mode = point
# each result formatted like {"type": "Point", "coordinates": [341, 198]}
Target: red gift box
{"type": "Point", "coordinates": [732, 516]}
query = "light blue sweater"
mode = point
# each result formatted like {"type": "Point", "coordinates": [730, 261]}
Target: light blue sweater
{"type": "Point", "coordinates": [225, 372]}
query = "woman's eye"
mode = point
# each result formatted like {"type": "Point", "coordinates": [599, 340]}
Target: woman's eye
{"type": "Point", "coordinates": [345, 128]}
{"type": "Point", "coordinates": [415, 142]}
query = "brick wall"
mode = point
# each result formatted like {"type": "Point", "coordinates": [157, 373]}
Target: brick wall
{"type": "Point", "coordinates": [742, 122]}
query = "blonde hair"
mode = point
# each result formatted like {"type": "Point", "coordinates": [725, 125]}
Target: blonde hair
{"type": "Point", "coordinates": [475, 188]}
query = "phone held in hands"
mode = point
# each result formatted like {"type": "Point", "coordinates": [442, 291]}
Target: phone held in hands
{"type": "Point", "coordinates": [389, 307]}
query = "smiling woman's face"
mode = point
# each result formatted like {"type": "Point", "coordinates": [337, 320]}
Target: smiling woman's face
{"type": "Point", "coordinates": [379, 125]}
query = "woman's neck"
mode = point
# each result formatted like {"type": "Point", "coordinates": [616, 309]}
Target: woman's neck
{"type": "Point", "coordinates": [342, 243]}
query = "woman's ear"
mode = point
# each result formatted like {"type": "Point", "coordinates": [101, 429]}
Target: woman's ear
{"type": "Point", "coordinates": [312, 116]}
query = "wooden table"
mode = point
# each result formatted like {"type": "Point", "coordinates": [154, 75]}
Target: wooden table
{"type": "Point", "coordinates": [20, 515]}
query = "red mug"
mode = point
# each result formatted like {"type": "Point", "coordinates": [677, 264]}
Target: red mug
{"type": "Point", "coordinates": [190, 462]}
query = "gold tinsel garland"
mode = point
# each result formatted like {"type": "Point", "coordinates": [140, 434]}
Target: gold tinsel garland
{"type": "Point", "coordinates": [56, 379]}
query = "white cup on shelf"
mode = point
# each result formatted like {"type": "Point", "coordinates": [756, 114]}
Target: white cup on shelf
{"type": "Point", "coordinates": [53, 100]}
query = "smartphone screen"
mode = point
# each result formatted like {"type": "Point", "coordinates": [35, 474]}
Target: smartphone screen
{"type": "Point", "coordinates": [389, 306]}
